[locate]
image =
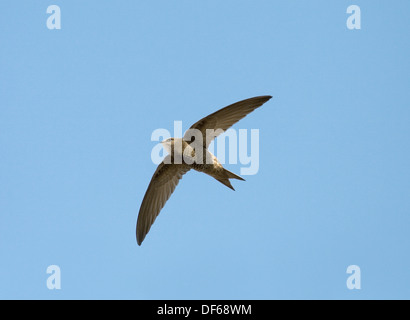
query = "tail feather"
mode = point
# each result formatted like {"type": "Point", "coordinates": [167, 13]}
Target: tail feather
{"type": "Point", "coordinates": [231, 175]}
{"type": "Point", "coordinates": [225, 176]}
{"type": "Point", "coordinates": [226, 182]}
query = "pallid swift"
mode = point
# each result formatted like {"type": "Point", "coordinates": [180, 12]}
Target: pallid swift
{"type": "Point", "coordinates": [191, 153]}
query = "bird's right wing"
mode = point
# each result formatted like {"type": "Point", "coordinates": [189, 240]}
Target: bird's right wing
{"type": "Point", "coordinates": [162, 185]}
{"type": "Point", "coordinates": [225, 118]}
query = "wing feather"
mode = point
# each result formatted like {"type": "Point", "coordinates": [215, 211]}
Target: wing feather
{"type": "Point", "coordinates": [162, 185]}
{"type": "Point", "coordinates": [226, 117]}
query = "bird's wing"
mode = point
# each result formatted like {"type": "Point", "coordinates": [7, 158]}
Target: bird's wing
{"type": "Point", "coordinates": [162, 185]}
{"type": "Point", "coordinates": [225, 118]}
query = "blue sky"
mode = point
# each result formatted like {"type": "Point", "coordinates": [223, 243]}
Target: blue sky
{"type": "Point", "coordinates": [78, 107]}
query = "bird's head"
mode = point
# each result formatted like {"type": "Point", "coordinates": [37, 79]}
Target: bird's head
{"type": "Point", "coordinates": [168, 144]}
{"type": "Point", "coordinates": [174, 146]}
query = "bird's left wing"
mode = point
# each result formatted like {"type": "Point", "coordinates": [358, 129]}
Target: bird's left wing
{"type": "Point", "coordinates": [162, 185]}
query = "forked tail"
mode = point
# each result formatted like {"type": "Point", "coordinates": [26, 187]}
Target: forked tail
{"type": "Point", "coordinates": [226, 176]}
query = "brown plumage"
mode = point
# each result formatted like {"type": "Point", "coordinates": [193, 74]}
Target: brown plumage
{"type": "Point", "coordinates": [170, 171]}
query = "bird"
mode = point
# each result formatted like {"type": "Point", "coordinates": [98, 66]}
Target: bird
{"type": "Point", "coordinates": [190, 152]}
